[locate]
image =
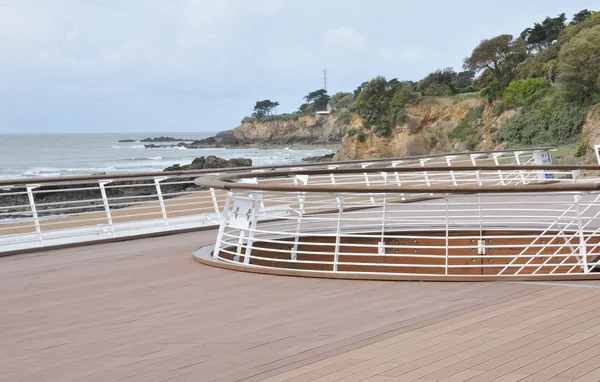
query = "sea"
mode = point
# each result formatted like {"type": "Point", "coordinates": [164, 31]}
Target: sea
{"type": "Point", "coordinates": [54, 155]}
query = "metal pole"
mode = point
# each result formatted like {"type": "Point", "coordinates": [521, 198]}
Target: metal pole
{"type": "Point", "coordinates": [582, 245]}
{"type": "Point", "coordinates": [340, 200]}
{"type": "Point", "coordinates": [301, 199]}
{"type": "Point", "coordinates": [34, 214]}
{"type": "Point", "coordinates": [499, 171]}
{"type": "Point", "coordinates": [161, 200]}
{"type": "Point", "coordinates": [106, 205]}
{"type": "Point", "coordinates": [449, 161]}
{"type": "Point", "coordinates": [223, 222]}
{"type": "Point", "coordinates": [384, 217]}
{"type": "Point", "coordinates": [214, 199]}
{"type": "Point", "coordinates": [254, 216]}
{"type": "Point", "coordinates": [447, 231]}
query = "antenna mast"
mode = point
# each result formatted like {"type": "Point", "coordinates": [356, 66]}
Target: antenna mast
{"type": "Point", "coordinates": [325, 79]}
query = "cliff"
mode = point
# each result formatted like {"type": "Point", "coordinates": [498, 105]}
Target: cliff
{"type": "Point", "coordinates": [431, 125]}
{"type": "Point", "coordinates": [282, 130]}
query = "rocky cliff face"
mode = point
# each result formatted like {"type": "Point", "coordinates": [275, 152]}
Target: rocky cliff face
{"type": "Point", "coordinates": [312, 130]}
{"type": "Point", "coordinates": [425, 129]}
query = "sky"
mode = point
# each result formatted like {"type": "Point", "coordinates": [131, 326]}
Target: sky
{"type": "Point", "coordinates": [104, 66]}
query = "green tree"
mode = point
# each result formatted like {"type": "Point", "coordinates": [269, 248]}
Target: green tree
{"type": "Point", "coordinates": [264, 108]}
{"type": "Point", "coordinates": [464, 79]}
{"type": "Point", "coordinates": [341, 100]}
{"type": "Point", "coordinates": [380, 104]}
{"type": "Point", "coordinates": [581, 16]}
{"type": "Point", "coordinates": [438, 83]}
{"type": "Point", "coordinates": [359, 89]}
{"type": "Point", "coordinates": [318, 99]}
{"type": "Point", "coordinates": [579, 62]}
{"type": "Point", "coordinates": [572, 30]}
{"type": "Point", "coordinates": [541, 36]}
{"type": "Point", "coordinates": [500, 55]}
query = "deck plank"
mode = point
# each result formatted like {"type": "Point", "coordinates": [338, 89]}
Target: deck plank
{"type": "Point", "coordinates": [143, 310]}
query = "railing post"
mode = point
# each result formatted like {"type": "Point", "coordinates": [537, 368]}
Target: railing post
{"type": "Point", "coordinates": [367, 181]}
{"type": "Point", "coordinates": [163, 210]}
{"type": "Point", "coordinates": [332, 176]}
{"type": "Point", "coordinates": [422, 161]}
{"type": "Point", "coordinates": [383, 215]}
{"type": "Point", "coordinates": [582, 244]}
{"type": "Point", "coordinates": [477, 172]}
{"type": "Point", "coordinates": [34, 214]}
{"type": "Point", "coordinates": [257, 199]}
{"type": "Point", "coordinates": [496, 155]}
{"type": "Point", "coordinates": [338, 232]}
{"type": "Point", "coordinates": [223, 221]}
{"type": "Point", "coordinates": [395, 164]}
{"type": "Point", "coordinates": [449, 159]}
{"type": "Point", "coordinates": [213, 194]}
{"type": "Point", "coordinates": [102, 183]}
{"type": "Point", "coordinates": [301, 199]}
{"type": "Point", "coordinates": [447, 232]}
{"type": "Point", "coordinates": [517, 153]}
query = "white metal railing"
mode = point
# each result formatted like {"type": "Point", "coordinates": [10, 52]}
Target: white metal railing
{"type": "Point", "coordinates": [489, 222]}
{"type": "Point", "coordinates": [37, 213]}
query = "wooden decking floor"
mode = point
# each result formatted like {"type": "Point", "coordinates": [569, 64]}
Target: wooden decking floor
{"type": "Point", "coordinates": [145, 311]}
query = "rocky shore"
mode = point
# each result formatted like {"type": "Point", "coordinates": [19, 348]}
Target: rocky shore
{"type": "Point", "coordinates": [319, 159]}
{"type": "Point", "coordinates": [157, 139]}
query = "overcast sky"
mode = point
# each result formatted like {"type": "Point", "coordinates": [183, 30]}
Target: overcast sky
{"type": "Point", "coordinates": [200, 65]}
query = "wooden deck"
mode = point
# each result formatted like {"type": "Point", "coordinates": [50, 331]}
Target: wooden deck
{"type": "Point", "coordinates": [145, 311]}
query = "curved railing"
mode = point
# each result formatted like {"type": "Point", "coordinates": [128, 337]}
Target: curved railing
{"type": "Point", "coordinates": [416, 222]}
{"type": "Point", "coordinates": [49, 212]}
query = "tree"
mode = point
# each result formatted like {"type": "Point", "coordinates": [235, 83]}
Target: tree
{"type": "Point", "coordinates": [579, 62]}
{"type": "Point", "coordinates": [581, 16]}
{"type": "Point", "coordinates": [438, 83]}
{"type": "Point", "coordinates": [464, 79]}
{"type": "Point", "coordinates": [264, 108]}
{"type": "Point", "coordinates": [319, 99]}
{"type": "Point", "coordinates": [360, 88]}
{"type": "Point", "coordinates": [341, 100]}
{"type": "Point", "coordinates": [541, 36]}
{"type": "Point", "coordinates": [500, 55]}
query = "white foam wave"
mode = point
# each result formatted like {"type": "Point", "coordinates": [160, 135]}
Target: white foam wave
{"type": "Point", "coordinates": [128, 147]}
{"type": "Point", "coordinates": [146, 158]}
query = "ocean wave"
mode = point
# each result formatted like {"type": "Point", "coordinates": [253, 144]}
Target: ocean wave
{"type": "Point", "coordinates": [128, 147]}
{"type": "Point", "coordinates": [146, 158]}
{"type": "Point", "coordinates": [54, 172]}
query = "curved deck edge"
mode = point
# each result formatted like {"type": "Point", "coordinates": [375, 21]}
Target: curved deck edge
{"type": "Point", "coordinates": [203, 256]}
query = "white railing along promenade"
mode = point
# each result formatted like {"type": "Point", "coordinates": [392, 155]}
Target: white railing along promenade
{"type": "Point", "coordinates": [38, 213]}
{"type": "Point", "coordinates": [419, 221]}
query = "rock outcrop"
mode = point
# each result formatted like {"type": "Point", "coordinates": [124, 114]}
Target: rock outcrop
{"type": "Point", "coordinates": [211, 161]}
{"type": "Point", "coordinates": [425, 130]}
{"type": "Point", "coordinates": [319, 159]}
{"type": "Point", "coordinates": [325, 130]}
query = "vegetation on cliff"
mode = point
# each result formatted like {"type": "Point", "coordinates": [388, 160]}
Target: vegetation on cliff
{"type": "Point", "coordinates": [532, 88]}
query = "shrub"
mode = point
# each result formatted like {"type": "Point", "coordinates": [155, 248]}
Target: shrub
{"type": "Point", "coordinates": [552, 120]}
{"type": "Point", "coordinates": [491, 92]}
{"type": "Point", "coordinates": [344, 119]}
{"type": "Point", "coordinates": [524, 92]}
{"type": "Point", "coordinates": [499, 108]}
{"type": "Point", "coordinates": [438, 83]}
{"type": "Point", "coordinates": [467, 128]}
{"type": "Point", "coordinates": [582, 149]}
{"type": "Point", "coordinates": [360, 136]}
{"type": "Point", "coordinates": [433, 141]}
{"type": "Point", "coordinates": [380, 103]}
